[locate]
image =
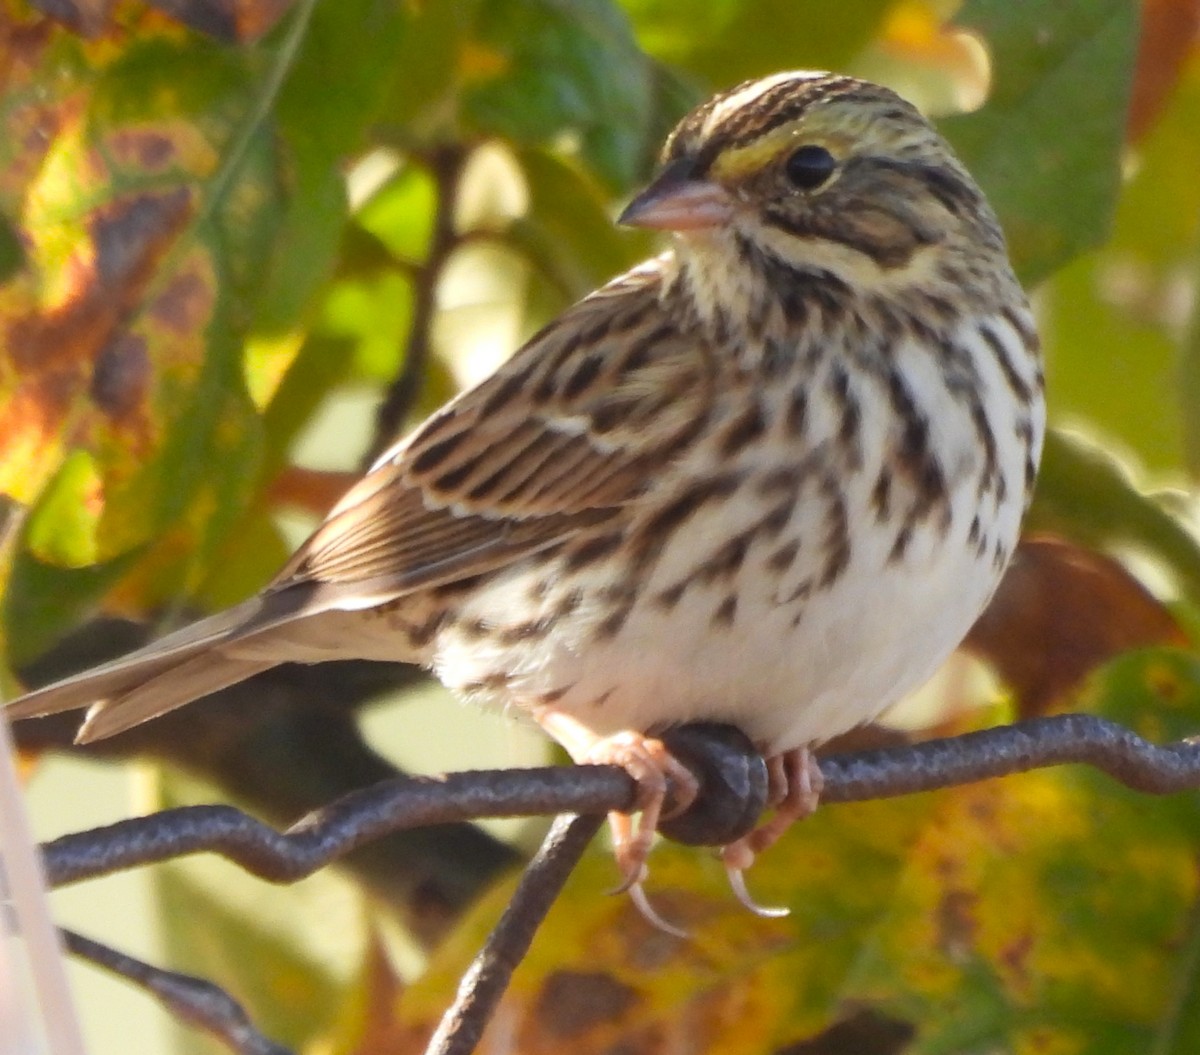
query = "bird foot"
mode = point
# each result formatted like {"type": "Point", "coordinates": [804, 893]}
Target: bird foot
{"type": "Point", "coordinates": [655, 771]}
{"type": "Point", "coordinates": [794, 784]}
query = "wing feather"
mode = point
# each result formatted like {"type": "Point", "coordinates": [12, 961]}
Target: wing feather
{"type": "Point", "coordinates": [557, 442]}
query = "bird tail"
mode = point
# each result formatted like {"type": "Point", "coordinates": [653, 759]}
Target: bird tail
{"type": "Point", "coordinates": [192, 662]}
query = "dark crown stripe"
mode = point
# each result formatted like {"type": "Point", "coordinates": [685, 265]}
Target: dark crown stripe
{"type": "Point", "coordinates": [768, 112]}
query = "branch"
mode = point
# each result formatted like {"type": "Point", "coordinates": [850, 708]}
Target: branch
{"type": "Point", "coordinates": [485, 981]}
{"type": "Point", "coordinates": [323, 836]}
{"type": "Point", "coordinates": [732, 780]}
{"type": "Point", "coordinates": [1033, 744]}
{"type": "Point", "coordinates": [190, 999]}
{"type": "Point", "coordinates": [408, 802]}
{"type": "Point", "coordinates": [285, 743]}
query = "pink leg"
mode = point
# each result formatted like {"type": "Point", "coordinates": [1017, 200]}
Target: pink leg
{"type": "Point", "coordinates": [654, 769]}
{"type": "Point", "coordinates": [793, 789]}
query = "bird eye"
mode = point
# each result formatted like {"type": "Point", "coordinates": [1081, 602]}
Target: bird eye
{"type": "Point", "coordinates": [810, 166]}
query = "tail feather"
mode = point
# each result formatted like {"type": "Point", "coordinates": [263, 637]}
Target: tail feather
{"type": "Point", "coordinates": [120, 675]}
{"type": "Point", "coordinates": [275, 627]}
{"type": "Point", "coordinates": [180, 683]}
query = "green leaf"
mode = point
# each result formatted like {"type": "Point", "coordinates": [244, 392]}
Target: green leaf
{"type": "Point", "coordinates": [189, 192]}
{"type": "Point", "coordinates": [1153, 691]}
{"type": "Point", "coordinates": [147, 222]}
{"type": "Point", "coordinates": [567, 232]}
{"type": "Point", "coordinates": [755, 985]}
{"type": "Point", "coordinates": [723, 42]}
{"type": "Point", "coordinates": [249, 558]}
{"type": "Point", "coordinates": [1179, 1031]}
{"type": "Point", "coordinates": [319, 129]}
{"type": "Point", "coordinates": [321, 364]}
{"type": "Point", "coordinates": [1037, 913]}
{"type": "Point", "coordinates": [1085, 494]}
{"type": "Point", "coordinates": [62, 530]}
{"type": "Point", "coordinates": [433, 53]}
{"type": "Point", "coordinates": [1112, 367]}
{"type": "Point", "coordinates": [400, 214]}
{"type": "Point", "coordinates": [1040, 912]}
{"type": "Point", "coordinates": [41, 601]}
{"type": "Point", "coordinates": [1047, 145]}
{"type": "Point", "coordinates": [1189, 388]}
{"type": "Point", "coordinates": [372, 316]}
{"type": "Point", "coordinates": [564, 69]}
{"type": "Point", "coordinates": [289, 995]}
{"type": "Point", "coordinates": [1113, 320]}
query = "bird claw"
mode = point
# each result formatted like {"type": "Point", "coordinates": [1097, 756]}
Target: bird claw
{"type": "Point", "coordinates": [794, 788]}
{"type": "Point", "coordinates": [630, 849]}
{"type": "Point", "coordinates": [631, 855]}
{"type": "Point", "coordinates": [637, 894]}
{"type": "Point", "coordinates": [737, 883]}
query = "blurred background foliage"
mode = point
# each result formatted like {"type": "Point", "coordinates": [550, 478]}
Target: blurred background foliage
{"type": "Point", "coordinates": [244, 243]}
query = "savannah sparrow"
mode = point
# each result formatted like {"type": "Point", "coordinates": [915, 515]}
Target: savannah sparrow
{"type": "Point", "coordinates": [768, 478]}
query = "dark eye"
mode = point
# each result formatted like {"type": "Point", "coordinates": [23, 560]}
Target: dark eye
{"type": "Point", "coordinates": [810, 166]}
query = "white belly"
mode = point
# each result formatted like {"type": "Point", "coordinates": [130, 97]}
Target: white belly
{"type": "Point", "coordinates": [787, 669]}
{"type": "Point", "coordinates": [796, 650]}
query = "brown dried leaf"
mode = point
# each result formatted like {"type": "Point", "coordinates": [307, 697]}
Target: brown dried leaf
{"type": "Point", "coordinates": [1060, 612]}
{"type": "Point", "coordinates": [313, 490]}
{"type": "Point", "coordinates": [1170, 30]}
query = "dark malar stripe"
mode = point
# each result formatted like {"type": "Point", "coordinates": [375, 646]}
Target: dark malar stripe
{"type": "Point", "coordinates": [885, 255]}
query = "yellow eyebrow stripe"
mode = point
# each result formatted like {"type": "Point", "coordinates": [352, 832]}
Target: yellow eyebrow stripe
{"type": "Point", "coordinates": [735, 162]}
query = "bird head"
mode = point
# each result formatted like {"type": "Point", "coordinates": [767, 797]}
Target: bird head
{"type": "Point", "coordinates": [816, 173]}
